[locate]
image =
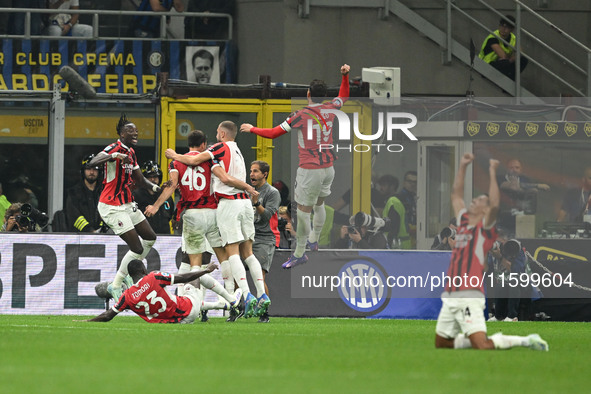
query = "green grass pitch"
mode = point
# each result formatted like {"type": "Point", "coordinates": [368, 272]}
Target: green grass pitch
{"type": "Point", "coordinates": [53, 354]}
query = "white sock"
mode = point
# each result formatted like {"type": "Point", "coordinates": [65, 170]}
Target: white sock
{"type": "Point", "coordinates": [208, 305]}
{"type": "Point", "coordinates": [302, 233]}
{"type": "Point", "coordinates": [122, 271]}
{"type": "Point", "coordinates": [318, 222]}
{"type": "Point", "coordinates": [147, 245]}
{"type": "Point", "coordinates": [183, 269]}
{"type": "Point", "coordinates": [202, 288]}
{"type": "Point", "coordinates": [256, 272]}
{"type": "Point", "coordinates": [209, 282]}
{"type": "Point", "coordinates": [227, 277]}
{"type": "Point", "coordinates": [239, 274]}
{"type": "Point", "coordinates": [508, 341]}
{"type": "Point", "coordinates": [461, 342]}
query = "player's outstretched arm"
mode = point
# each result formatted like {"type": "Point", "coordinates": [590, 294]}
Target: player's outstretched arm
{"type": "Point", "coordinates": [106, 316]}
{"type": "Point", "coordinates": [231, 181]}
{"type": "Point", "coordinates": [188, 160]}
{"type": "Point", "coordinates": [457, 193]}
{"type": "Point", "coordinates": [167, 191]}
{"type": "Point", "coordinates": [267, 133]}
{"type": "Point", "coordinates": [493, 193]}
{"type": "Point", "coordinates": [344, 90]}
{"type": "Point", "coordinates": [142, 181]}
{"type": "Point", "coordinates": [191, 276]}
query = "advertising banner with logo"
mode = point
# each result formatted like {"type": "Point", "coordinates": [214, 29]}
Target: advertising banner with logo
{"type": "Point", "coordinates": [117, 66]}
{"type": "Point", "coordinates": [56, 274]}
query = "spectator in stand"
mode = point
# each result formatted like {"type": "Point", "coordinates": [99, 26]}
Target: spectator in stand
{"type": "Point", "coordinates": [66, 24]}
{"type": "Point", "coordinates": [577, 201]}
{"type": "Point", "coordinates": [208, 28]}
{"type": "Point", "coordinates": [497, 53]}
{"type": "Point", "coordinates": [160, 222]}
{"type": "Point", "coordinates": [518, 195]}
{"type": "Point", "coordinates": [11, 222]}
{"type": "Point", "coordinates": [149, 26]}
{"type": "Point", "coordinates": [82, 200]}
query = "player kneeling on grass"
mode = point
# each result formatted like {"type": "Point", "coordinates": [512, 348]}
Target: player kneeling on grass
{"type": "Point", "coordinates": [463, 304]}
{"type": "Point", "coordinates": [150, 299]}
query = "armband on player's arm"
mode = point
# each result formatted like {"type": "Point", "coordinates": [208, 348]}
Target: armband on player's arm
{"type": "Point", "coordinates": [269, 133]}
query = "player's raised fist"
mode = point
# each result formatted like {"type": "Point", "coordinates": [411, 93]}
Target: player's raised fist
{"type": "Point", "coordinates": [169, 153]}
{"type": "Point", "coordinates": [493, 163]}
{"type": "Point", "coordinates": [467, 158]}
{"type": "Point", "coordinates": [345, 68]}
{"type": "Point", "coordinates": [245, 127]}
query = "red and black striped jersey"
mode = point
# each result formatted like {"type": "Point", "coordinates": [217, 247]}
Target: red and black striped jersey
{"type": "Point", "coordinates": [469, 254]}
{"type": "Point", "coordinates": [228, 156]}
{"type": "Point", "coordinates": [195, 185]}
{"type": "Point", "coordinates": [314, 127]}
{"type": "Point", "coordinates": [149, 299]}
{"type": "Point", "coordinates": [118, 176]}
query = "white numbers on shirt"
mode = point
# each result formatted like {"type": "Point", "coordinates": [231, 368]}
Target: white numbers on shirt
{"type": "Point", "coordinates": [194, 179]}
{"type": "Point", "coordinates": [153, 301]}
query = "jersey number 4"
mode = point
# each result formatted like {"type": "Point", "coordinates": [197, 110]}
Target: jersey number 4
{"type": "Point", "coordinates": [194, 179]}
{"type": "Point", "coordinates": [153, 301]}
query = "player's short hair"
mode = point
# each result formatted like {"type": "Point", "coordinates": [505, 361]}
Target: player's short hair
{"type": "Point", "coordinates": [230, 128]}
{"type": "Point", "coordinates": [318, 88]}
{"type": "Point", "coordinates": [136, 267]}
{"type": "Point", "coordinates": [196, 138]}
{"type": "Point", "coordinates": [123, 121]}
{"type": "Point", "coordinates": [507, 20]}
{"type": "Point", "coordinates": [204, 54]}
{"type": "Point", "coordinates": [263, 166]}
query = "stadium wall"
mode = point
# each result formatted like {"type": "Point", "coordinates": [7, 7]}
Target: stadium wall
{"type": "Point", "coordinates": [56, 273]}
{"type": "Point", "coordinates": [296, 50]}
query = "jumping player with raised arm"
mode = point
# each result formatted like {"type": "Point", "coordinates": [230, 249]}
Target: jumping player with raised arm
{"type": "Point", "coordinates": [116, 205]}
{"type": "Point", "coordinates": [461, 321]}
{"type": "Point", "coordinates": [151, 301]}
{"type": "Point", "coordinates": [199, 206]}
{"type": "Point", "coordinates": [315, 171]}
{"type": "Point", "coordinates": [235, 216]}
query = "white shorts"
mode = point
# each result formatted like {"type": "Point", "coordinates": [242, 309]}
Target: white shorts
{"type": "Point", "coordinates": [460, 315]}
{"type": "Point", "coordinates": [121, 218]}
{"type": "Point", "coordinates": [235, 220]}
{"type": "Point", "coordinates": [312, 184]}
{"type": "Point", "coordinates": [199, 227]}
{"type": "Point", "coordinates": [196, 297]}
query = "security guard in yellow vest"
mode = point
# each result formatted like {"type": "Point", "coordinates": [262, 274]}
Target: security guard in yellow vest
{"type": "Point", "coordinates": [498, 54]}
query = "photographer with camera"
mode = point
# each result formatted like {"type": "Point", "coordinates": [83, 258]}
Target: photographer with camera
{"type": "Point", "coordinates": [24, 218]}
{"type": "Point", "coordinates": [446, 239]}
{"type": "Point", "coordinates": [82, 200]}
{"type": "Point", "coordinates": [285, 226]}
{"type": "Point", "coordinates": [364, 232]}
{"type": "Point", "coordinates": [505, 258]}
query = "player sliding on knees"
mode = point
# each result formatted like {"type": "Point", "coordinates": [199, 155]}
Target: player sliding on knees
{"type": "Point", "coordinates": [116, 204]}
{"type": "Point", "coordinates": [461, 321]}
{"type": "Point", "coordinates": [151, 301]}
{"type": "Point", "coordinates": [315, 172]}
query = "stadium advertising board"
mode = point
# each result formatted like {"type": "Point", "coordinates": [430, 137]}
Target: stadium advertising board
{"type": "Point", "coordinates": [115, 66]}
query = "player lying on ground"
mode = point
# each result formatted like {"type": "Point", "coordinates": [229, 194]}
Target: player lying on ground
{"type": "Point", "coordinates": [151, 301]}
